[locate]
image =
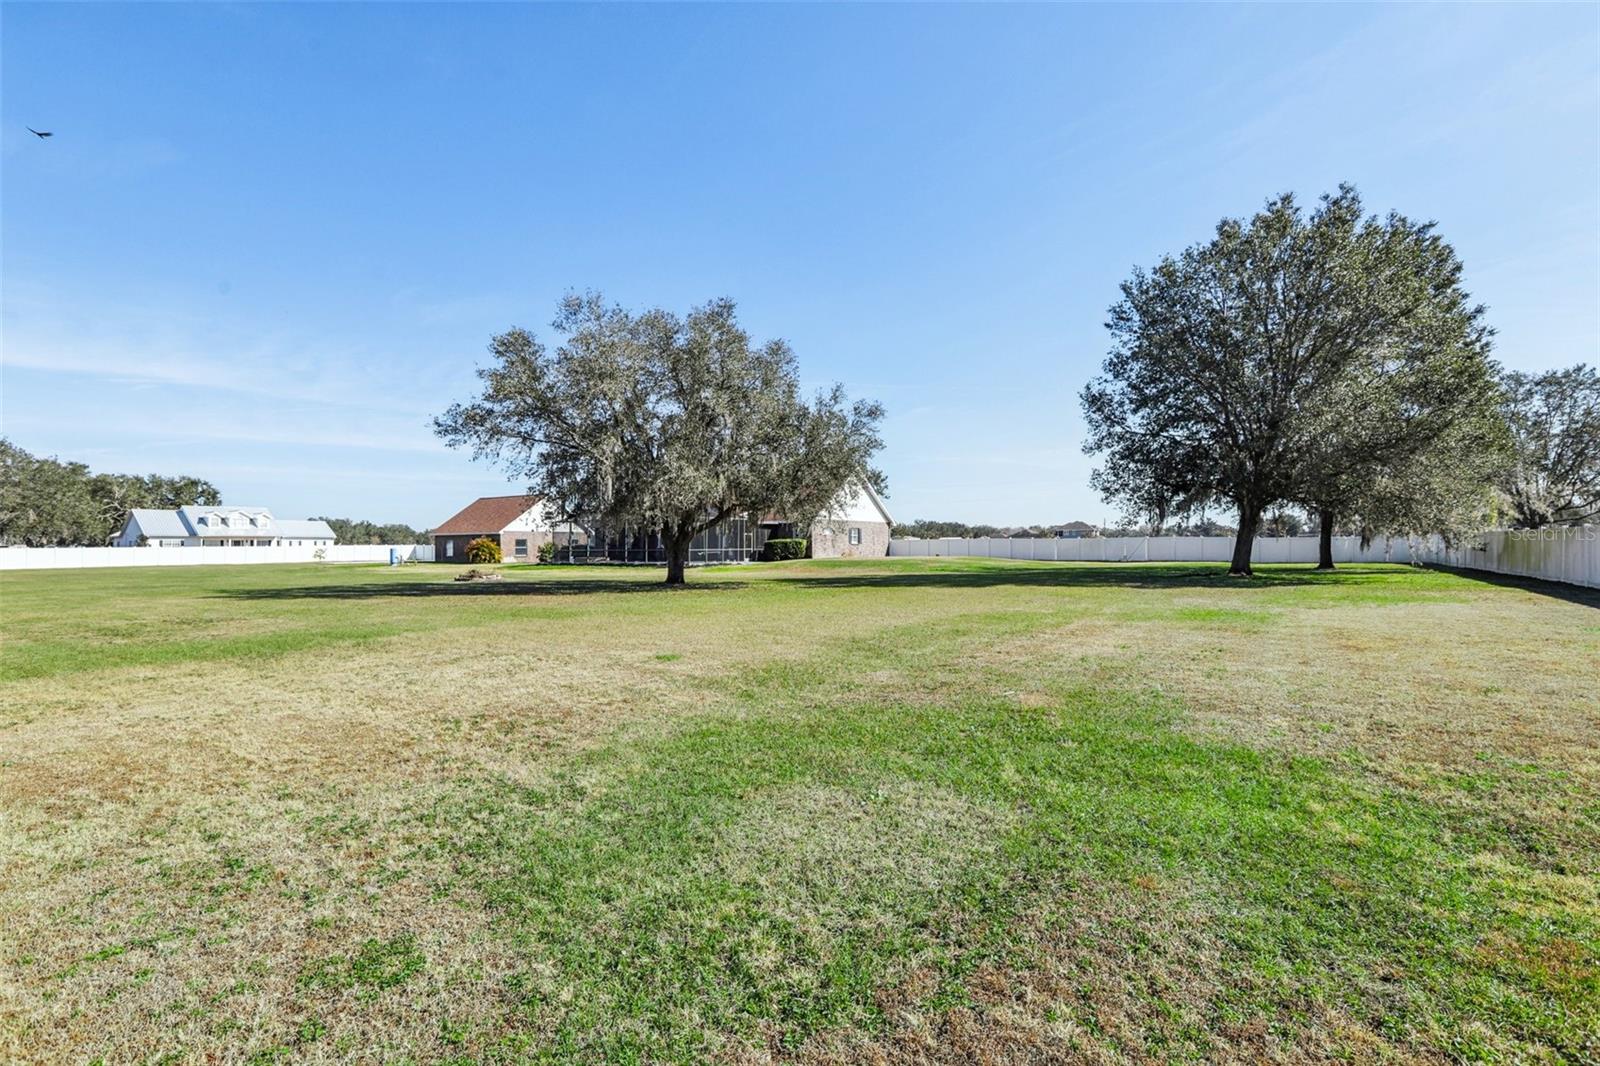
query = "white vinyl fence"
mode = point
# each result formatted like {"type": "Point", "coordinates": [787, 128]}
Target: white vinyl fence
{"type": "Point", "coordinates": [1154, 549]}
{"type": "Point", "coordinates": [1570, 554]}
{"type": "Point", "coordinates": [71, 558]}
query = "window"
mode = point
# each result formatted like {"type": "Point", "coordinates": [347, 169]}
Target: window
{"type": "Point", "coordinates": [855, 534]}
{"type": "Point", "coordinates": [522, 546]}
{"type": "Point", "coordinates": [449, 548]}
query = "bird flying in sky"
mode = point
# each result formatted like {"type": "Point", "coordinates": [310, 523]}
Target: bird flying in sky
{"type": "Point", "coordinates": [41, 134]}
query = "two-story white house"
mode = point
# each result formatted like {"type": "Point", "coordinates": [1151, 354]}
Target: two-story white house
{"type": "Point", "coordinates": [221, 526]}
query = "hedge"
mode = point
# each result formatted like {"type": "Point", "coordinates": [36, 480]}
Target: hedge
{"type": "Point", "coordinates": [780, 548]}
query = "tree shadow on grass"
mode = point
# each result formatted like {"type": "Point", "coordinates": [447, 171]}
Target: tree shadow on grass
{"type": "Point", "coordinates": [1175, 576]}
{"type": "Point", "coordinates": [462, 589]}
{"type": "Point", "coordinates": [1052, 574]}
{"type": "Point", "coordinates": [808, 576]}
{"type": "Point", "coordinates": [1578, 594]}
{"type": "Point", "coordinates": [953, 575]}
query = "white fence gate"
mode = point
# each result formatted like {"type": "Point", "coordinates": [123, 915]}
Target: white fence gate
{"type": "Point", "coordinates": [1566, 554]}
{"type": "Point", "coordinates": [72, 558]}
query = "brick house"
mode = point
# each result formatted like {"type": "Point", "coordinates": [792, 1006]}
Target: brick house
{"type": "Point", "coordinates": [857, 526]}
{"type": "Point", "coordinates": [519, 523]}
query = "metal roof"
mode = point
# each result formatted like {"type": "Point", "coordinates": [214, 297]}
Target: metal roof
{"type": "Point", "coordinates": [226, 521]}
{"type": "Point", "coordinates": [153, 523]}
{"type": "Point", "coordinates": [304, 528]}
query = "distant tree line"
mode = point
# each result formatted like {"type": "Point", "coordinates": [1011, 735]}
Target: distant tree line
{"type": "Point", "coordinates": [1280, 524]}
{"type": "Point", "coordinates": [45, 502]}
{"type": "Point", "coordinates": [1330, 363]}
{"type": "Point", "coordinates": [51, 503]}
{"type": "Point", "coordinates": [347, 531]}
{"type": "Point", "coordinates": [1198, 526]}
{"type": "Point", "coordinates": [929, 529]}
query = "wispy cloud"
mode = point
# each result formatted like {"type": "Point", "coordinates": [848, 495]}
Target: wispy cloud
{"type": "Point", "coordinates": [164, 418]}
{"type": "Point", "coordinates": [139, 367]}
{"type": "Point", "coordinates": [139, 346]}
{"type": "Point", "coordinates": [337, 473]}
{"type": "Point", "coordinates": [489, 308]}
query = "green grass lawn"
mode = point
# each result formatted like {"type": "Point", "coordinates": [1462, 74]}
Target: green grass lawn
{"type": "Point", "coordinates": [886, 811]}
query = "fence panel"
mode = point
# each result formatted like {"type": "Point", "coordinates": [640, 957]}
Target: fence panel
{"type": "Point", "coordinates": [1567, 554]}
{"type": "Point", "coordinates": [206, 555]}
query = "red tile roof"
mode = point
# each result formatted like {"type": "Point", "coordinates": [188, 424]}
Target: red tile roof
{"type": "Point", "coordinates": [488, 514]}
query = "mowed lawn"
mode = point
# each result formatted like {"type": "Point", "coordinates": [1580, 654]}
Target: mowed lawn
{"type": "Point", "coordinates": [891, 811]}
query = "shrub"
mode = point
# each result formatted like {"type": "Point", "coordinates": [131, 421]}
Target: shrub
{"type": "Point", "coordinates": [483, 550]}
{"type": "Point", "coordinates": [547, 552]}
{"type": "Point", "coordinates": [779, 548]}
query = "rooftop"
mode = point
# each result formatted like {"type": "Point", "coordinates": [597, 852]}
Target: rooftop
{"type": "Point", "coordinates": [487, 514]}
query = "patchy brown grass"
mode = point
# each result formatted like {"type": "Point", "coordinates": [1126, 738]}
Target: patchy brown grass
{"type": "Point", "coordinates": [186, 845]}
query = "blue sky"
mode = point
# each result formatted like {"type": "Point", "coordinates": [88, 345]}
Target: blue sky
{"type": "Point", "coordinates": [268, 243]}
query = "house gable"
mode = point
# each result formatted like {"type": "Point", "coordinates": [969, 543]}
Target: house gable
{"type": "Point", "coordinates": [857, 503]}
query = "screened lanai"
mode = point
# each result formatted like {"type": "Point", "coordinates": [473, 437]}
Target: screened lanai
{"type": "Point", "coordinates": [735, 540]}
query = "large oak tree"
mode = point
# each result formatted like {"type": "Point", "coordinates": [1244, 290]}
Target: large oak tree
{"type": "Point", "coordinates": [1228, 358]}
{"type": "Point", "coordinates": [663, 422]}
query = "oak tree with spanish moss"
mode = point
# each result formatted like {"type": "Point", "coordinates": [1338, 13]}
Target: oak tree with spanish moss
{"type": "Point", "coordinates": [663, 422]}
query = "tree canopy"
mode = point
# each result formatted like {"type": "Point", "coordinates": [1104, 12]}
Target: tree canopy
{"type": "Point", "coordinates": [1554, 476]}
{"type": "Point", "coordinates": [1289, 359]}
{"type": "Point", "coordinates": [663, 422]}
{"type": "Point", "coordinates": [45, 502]}
{"type": "Point", "coordinates": [1423, 403]}
{"type": "Point", "coordinates": [359, 531]}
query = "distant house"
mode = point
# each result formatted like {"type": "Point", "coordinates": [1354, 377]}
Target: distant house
{"type": "Point", "coordinates": [220, 527]}
{"type": "Point", "coordinates": [519, 524]}
{"type": "Point", "coordinates": [1074, 531]}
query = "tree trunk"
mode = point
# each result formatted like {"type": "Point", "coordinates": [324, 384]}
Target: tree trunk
{"type": "Point", "coordinates": [677, 558]}
{"type": "Point", "coordinates": [1244, 543]}
{"type": "Point", "coordinates": [1325, 539]}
